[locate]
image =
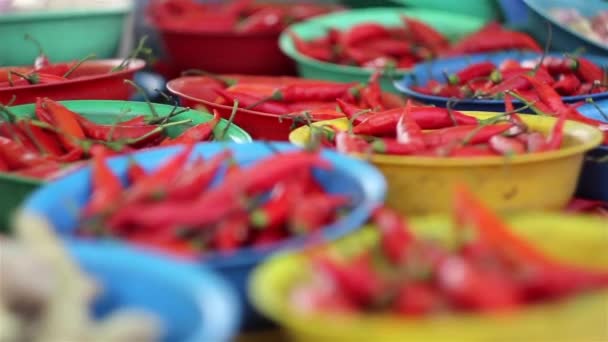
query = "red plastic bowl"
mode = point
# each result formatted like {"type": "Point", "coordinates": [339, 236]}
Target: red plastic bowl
{"type": "Point", "coordinates": [91, 81]}
{"type": "Point", "coordinates": [238, 53]}
{"type": "Point", "coordinates": [198, 91]}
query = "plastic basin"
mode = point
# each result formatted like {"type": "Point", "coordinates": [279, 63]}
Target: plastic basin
{"type": "Point", "coordinates": [452, 25]}
{"type": "Point", "coordinates": [95, 82]}
{"type": "Point", "coordinates": [593, 182]}
{"type": "Point", "coordinates": [58, 203]}
{"type": "Point", "coordinates": [102, 112]}
{"type": "Point", "coordinates": [422, 185]}
{"type": "Point", "coordinates": [65, 35]}
{"type": "Point", "coordinates": [564, 38]}
{"type": "Point", "coordinates": [578, 240]}
{"type": "Point", "coordinates": [435, 70]}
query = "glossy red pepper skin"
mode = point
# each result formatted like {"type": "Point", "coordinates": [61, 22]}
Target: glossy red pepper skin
{"type": "Point", "coordinates": [231, 233]}
{"type": "Point", "coordinates": [372, 94]}
{"type": "Point", "coordinates": [494, 40]}
{"type": "Point", "coordinates": [67, 123]}
{"type": "Point", "coordinates": [477, 70]}
{"type": "Point", "coordinates": [314, 52]}
{"type": "Point", "coordinates": [198, 133]}
{"type": "Point", "coordinates": [567, 84]}
{"type": "Point", "coordinates": [363, 32]}
{"type": "Point", "coordinates": [349, 143]}
{"type": "Point", "coordinates": [357, 114]}
{"type": "Point", "coordinates": [425, 117]}
{"type": "Point", "coordinates": [395, 236]}
{"type": "Point", "coordinates": [506, 146]}
{"type": "Point", "coordinates": [392, 146]}
{"type": "Point", "coordinates": [313, 211]}
{"type": "Point", "coordinates": [587, 70]}
{"type": "Point", "coordinates": [246, 100]}
{"type": "Point", "coordinates": [47, 141]}
{"type": "Point", "coordinates": [408, 131]}
{"type": "Point", "coordinates": [119, 132]}
{"type": "Point", "coordinates": [425, 35]}
{"type": "Point", "coordinates": [312, 92]}
{"type": "Point", "coordinates": [135, 172]}
{"type": "Point", "coordinates": [44, 171]}
{"type": "Point", "coordinates": [198, 178]}
{"type": "Point", "coordinates": [450, 135]}
{"type": "Point", "coordinates": [106, 187]}
{"type": "Point", "coordinates": [17, 156]}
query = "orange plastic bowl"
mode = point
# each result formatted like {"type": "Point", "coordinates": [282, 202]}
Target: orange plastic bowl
{"type": "Point", "coordinates": [91, 81]}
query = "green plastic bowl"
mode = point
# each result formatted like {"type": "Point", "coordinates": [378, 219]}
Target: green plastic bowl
{"type": "Point", "coordinates": [65, 35]}
{"type": "Point", "coordinates": [482, 9]}
{"type": "Point", "coordinates": [16, 188]}
{"type": "Point", "coordinates": [452, 25]}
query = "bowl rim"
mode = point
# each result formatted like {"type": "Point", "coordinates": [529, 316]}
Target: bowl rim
{"type": "Point", "coordinates": [289, 318]}
{"type": "Point", "coordinates": [287, 47]}
{"type": "Point", "coordinates": [403, 85]}
{"type": "Point", "coordinates": [60, 14]}
{"type": "Point", "coordinates": [374, 191]}
{"type": "Point", "coordinates": [219, 322]}
{"type": "Point", "coordinates": [538, 10]}
{"type": "Point", "coordinates": [134, 65]}
{"type": "Point", "coordinates": [596, 137]}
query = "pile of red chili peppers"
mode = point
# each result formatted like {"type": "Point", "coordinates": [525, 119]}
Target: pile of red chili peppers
{"type": "Point", "coordinates": [315, 98]}
{"type": "Point", "coordinates": [487, 269]}
{"type": "Point", "coordinates": [372, 45]}
{"type": "Point", "coordinates": [235, 16]}
{"type": "Point", "coordinates": [436, 132]}
{"type": "Point", "coordinates": [179, 209]}
{"type": "Point", "coordinates": [40, 146]}
{"type": "Point", "coordinates": [568, 76]}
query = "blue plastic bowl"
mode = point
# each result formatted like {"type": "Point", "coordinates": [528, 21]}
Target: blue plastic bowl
{"type": "Point", "coordinates": [193, 304]}
{"type": "Point", "coordinates": [593, 182]}
{"type": "Point", "coordinates": [435, 70]}
{"type": "Point", "coordinates": [564, 38]}
{"type": "Point", "coordinates": [59, 202]}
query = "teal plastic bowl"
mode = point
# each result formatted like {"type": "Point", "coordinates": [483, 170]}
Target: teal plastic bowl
{"type": "Point", "coordinates": [564, 38]}
{"type": "Point", "coordinates": [65, 35]}
{"type": "Point", "coordinates": [482, 9]}
{"type": "Point", "coordinates": [452, 25]}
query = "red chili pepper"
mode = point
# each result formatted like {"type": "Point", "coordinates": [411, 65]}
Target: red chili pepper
{"type": "Point", "coordinates": [408, 131]}
{"type": "Point", "coordinates": [303, 106]}
{"type": "Point", "coordinates": [66, 121]}
{"type": "Point", "coordinates": [363, 32]}
{"type": "Point", "coordinates": [17, 156]}
{"type": "Point", "coordinates": [231, 233]}
{"type": "Point", "coordinates": [44, 170]}
{"type": "Point", "coordinates": [351, 111]}
{"type": "Point", "coordinates": [349, 143]}
{"type": "Point", "coordinates": [474, 133]}
{"type": "Point", "coordinates": [417, 299]}
{"type": "Point", "coordinates": [46, 141]}
{"type": "Point", "coordinates": [14, 132]}
{"type": "Point", "coordinates": [372, 94]}
{"type": "Point", "coordinates": [120, 132]}
{"type": "Point", "coordinates": [311, 92]}
{"type": "Point", "coordinates": [392, 146]}
{"type": "Point", "coordinates": [494, 40]}
{"type": "Point", "coordinates": [425, 35]}
{"type": "Point", "coordinates": [567, 84]}
{"type": "Point", "coordinates": [197, 177]}
{"type": "Point", "coordinates": [587, 70]}
{"type": "Point", "coordinates": [426, 117]}
{"type": "Point", "coordinates": [135, 172]}
{"type": "Point", "coordinates": [173, 247]}
{"type": "Point", "coordinates": [388, 47]}
{"type": "Point", "coordinates": [557, 133]}
{"type": "Point", "coordinates": [547, 95]}
{"type": "Point", "coordinates": [198, 133]}
{"type": "Point", "coordinates": [473, 71]}
{"type": "Point", "coordinates": [258, 103]}
{"type": "Point", "coordinates": [158, 181]}
{"type": "Point", "coordinates": [106, 187]}
{"type": "Point", "coordinates": [274, 213]}
{"type": "Point", "coordinates": [3, 165]}
{"type": "Point", "coordinates": [395, 235]}
{"type": "Point", "coordinates": [356, 278]}
{"type": "Point", "coordinates": [360, 55]}
{"type": "Point", "coordinates": [315, 52]}
{"type": "Point", "coordinates": [506, 146]}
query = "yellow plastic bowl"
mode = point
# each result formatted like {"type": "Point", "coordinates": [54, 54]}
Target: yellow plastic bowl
{"type": "Point", "coordinates": [422, 185]}
{"type": "Point", "coordinates": [578, 240]}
